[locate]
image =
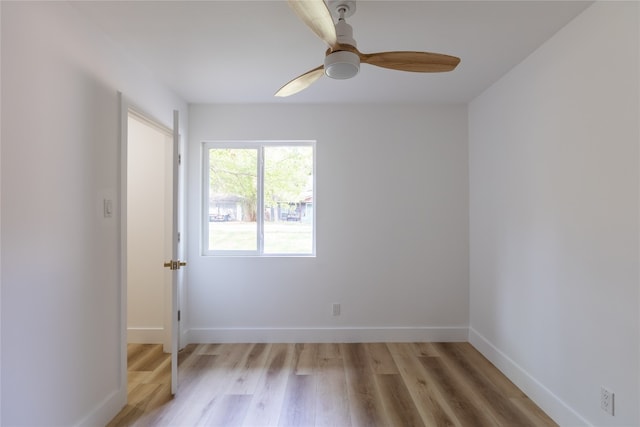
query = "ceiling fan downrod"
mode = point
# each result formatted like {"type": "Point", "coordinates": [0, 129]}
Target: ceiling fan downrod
{"type": "Point", "coordinates": [343, 64]}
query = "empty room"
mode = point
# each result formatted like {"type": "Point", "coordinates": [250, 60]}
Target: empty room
{"type": "Point", "coordinates": [312, 213]}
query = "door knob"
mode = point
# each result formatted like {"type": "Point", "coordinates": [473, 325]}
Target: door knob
{"type": "Point", "coordinates": [174, 265]}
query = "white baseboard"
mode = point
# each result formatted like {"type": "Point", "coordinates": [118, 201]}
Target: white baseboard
{"type": "Point", "coordinates": [313, 335]}
{"type": "Point", "coordinates": [106, 410]}
{"type": "Point", "coordinates": [559, 411]}
{"type": "Point", "coordinates": [145, 335]}
{"type": "Point", "coordinates": [184, 339]}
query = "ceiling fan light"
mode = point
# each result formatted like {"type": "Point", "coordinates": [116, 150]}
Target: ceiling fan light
{"type": "Point", "coordinates": [341, 65]}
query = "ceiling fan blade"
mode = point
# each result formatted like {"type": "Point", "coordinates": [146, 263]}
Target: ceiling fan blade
{"type": "Point", "coordinates": [301, 82]}
{"type": "Point", "coordinates": [315, 14]}
{"type": "Point", "coordinates": [420, 62]}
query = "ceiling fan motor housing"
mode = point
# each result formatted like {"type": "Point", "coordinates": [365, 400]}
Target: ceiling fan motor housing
{"type": "Point", "coordinates": [341, 64]}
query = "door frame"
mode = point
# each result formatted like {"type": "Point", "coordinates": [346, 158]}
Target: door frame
{"type": "Point", "coordinates": [125, 106]}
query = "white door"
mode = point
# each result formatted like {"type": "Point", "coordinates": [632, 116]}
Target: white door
{"type": "Point", "coordinates": [176, 263]}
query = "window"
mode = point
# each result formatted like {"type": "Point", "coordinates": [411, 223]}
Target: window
{"type": "Point", "coordinates": [259, 198]}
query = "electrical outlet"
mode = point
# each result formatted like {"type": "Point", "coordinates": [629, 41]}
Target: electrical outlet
{"type": "Point", "coordinates": [336, 309]}
{"type": "Point", "coordinates": [607, 400]}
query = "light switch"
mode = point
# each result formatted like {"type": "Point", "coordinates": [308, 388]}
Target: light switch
{"type": "Point", "coordinates": [108, 208]}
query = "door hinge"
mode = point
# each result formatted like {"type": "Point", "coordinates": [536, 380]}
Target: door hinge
{"type": "Point", "coordinates": [178, 237]}
{"type": "Point", "coordinates": [178, 315]}
{"type": "Point", "coordinates": [179, 159]}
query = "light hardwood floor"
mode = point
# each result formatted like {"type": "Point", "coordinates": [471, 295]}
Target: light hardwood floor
{"type": "Point", "coordinates": [373, 384]}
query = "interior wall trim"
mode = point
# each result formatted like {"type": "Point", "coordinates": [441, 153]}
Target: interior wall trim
{"type": "Point", "coordinates": [103, 412]}
{"type": "Point", "coordinates": [550, 403]}
{"type": "Point", "coordinates": [324, 335]}
{"type": "Point", "coordinates": [145, 335]}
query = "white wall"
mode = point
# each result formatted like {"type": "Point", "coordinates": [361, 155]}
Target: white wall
{"type": "Point", "coordinates": [61, 319]}
{"type": "Point", "coordinates": [554, 219]}
{"type": "Point", "coordinates": [392, 229]}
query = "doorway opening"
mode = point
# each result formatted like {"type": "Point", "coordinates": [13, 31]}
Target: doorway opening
{"type": "Point", "coordinates": [149, 230]}
{"type": "Point", "coordinates": [148, 190]}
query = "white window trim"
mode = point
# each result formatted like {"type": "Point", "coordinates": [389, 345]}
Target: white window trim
{"type": "Point", "coordinates": [204, 213]}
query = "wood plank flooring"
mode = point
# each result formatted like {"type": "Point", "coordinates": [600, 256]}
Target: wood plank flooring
{"type": "Point", "coordinates": [328, 384]}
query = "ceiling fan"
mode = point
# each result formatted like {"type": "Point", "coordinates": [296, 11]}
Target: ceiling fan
{"type": "Point", "coordinates": [342, 58]}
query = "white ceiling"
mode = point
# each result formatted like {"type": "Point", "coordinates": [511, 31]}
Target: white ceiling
{"type": "Point", "coordinates": [243, 51]}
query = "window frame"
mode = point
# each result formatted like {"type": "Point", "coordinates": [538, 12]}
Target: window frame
{"type": "Point", "coordinates": [259, 146]}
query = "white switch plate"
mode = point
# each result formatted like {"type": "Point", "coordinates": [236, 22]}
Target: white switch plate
{"type": "Point", "coordinates": [107, 205]}
{"type": "Point", "coordinates": [336, 309]}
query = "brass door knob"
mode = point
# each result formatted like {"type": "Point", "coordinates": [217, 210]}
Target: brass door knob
{"type": "Point", "coordinates": [174, 265]}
